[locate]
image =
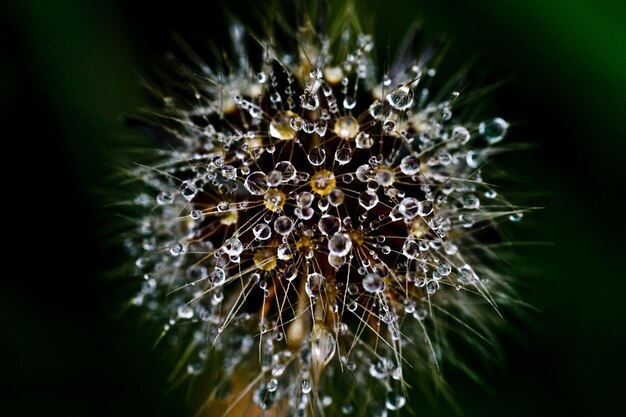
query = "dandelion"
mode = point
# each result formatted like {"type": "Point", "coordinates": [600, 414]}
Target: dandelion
{"type": "Point", "coordinates": [313, 228]}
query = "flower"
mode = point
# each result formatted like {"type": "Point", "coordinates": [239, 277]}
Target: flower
{"type": "Point", "coordinates": [314, 228]}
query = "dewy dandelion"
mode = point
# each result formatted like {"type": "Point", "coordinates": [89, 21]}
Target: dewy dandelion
{"type": "Point", "coordinates": [311, 230]}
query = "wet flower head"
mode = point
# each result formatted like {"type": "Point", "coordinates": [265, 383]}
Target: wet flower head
{"type": "Point", "coordinates": [312, 230]}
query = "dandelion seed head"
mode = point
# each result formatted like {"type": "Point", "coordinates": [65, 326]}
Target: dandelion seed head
{"type": "Point", "coordinates": [311, 221]}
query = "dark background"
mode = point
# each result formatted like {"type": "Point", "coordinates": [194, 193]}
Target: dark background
{"type": "Point", "coordinates": [70, 69]}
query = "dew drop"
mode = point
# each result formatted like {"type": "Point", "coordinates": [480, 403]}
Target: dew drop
{"type": "Point", "coordinates": [409, 208]}
{"type": "Point", "coordinates": [343, 155]}
{"type": "Point", "coordinates": [329, 225]}
{"type": "Point", "coordinates": [373, 283]}
{"type": "Point", "coordinates": [232, 246]}
{"type": "Point", "coordinates": [401, 98]}
{"type": "Point", "coordinates": [283, 225]}
{"type": "Point", "coordinates": [368, 199]}
{"type": "Point", "coordinates": [340, 244]}
{"type": "Point", "coordinates": [346, 127]}
{"type": "Point", "coordinates": [280, 126]}
{"type": "Point", "coordinates": [314, 283]}
{"type": "Point", "coordinates": [217, 277]}
{"type": "Point", "coordinates": [410, 249]}
{"type": "Point", "coordinates": [176, 249]}
{"type": "Point", "coordinates": [317, 156]}
{"type": "Point", "coordinates": [256, 183]}
{"type": "Point", "coordinates": [394, 400]}
{"type": "Point", "coordinates": [494, 130]}
{"type": "Point", "coordinates": [364, 141]}
{"type": "Point", "coordinates": [410, 165]}
{"type": "Point", "coordinates": [184, 312]}
{"type": "Point", "coordinates": [262, 231]}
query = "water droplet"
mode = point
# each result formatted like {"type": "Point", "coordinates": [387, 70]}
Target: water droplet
{"type": "Point", "coordinates": [340, 244]}
{"type": "Point", "coordinates": [432, 287]}
{"type": "Point", "coordinates": [164, 198]}
{"type": "Point", "coordinates": [283, 225]}
{"type": "Point", "coordinates": [280, 126]}
{"type": "Point", "coordinates": [274, 178]}
{"type": "Point", "coordinates": [401, 98]}
{"type": "Point", "coordinates": [471, 202]}
{"type": "Point", "coordinates": [364, 141]}
{"type": "Point", "coordinates": [317, 156]}
{"type": "Point", "coordinates": [188, 190]}
{"type": "Point", "coordinates": [368, 199]}
{"type": "Point", "coordinates": [385, 177]}
{"type": "Point", "coordinates": [466, 274]}
{"type": "Point", "coordinates": [262, 231]}
{"type": "Point", "coordinates": [349, 102]}
{"type": "Point", "coordinates": [410, 165]}
{"type": "Point", "coordinates": [336, 197]}
{"type": "Point", "coordinates": [394, 400]}
{"type": "Point", "coordinates": [516, 217]}
{"type": "Point", "coordinates": [494, 130]}
{"type": "Point", "coordinates": [336, 261]}
{"type": "Point", "coordinates": [410, 249]}
{"type": "Point", "coordinates": [425, 208]}
{"type": "Point", "coordinates": [343, 155]}
{"type": "Point", "coordinates": [287, 169]}
{"type": "Point", "coordinates": [272, 385]}
{"type": "Point", "coordinates": [256, 183]}
{"type": "Point", "coordinates": [232, 246]}
{"type": "Point", "coordinates": [184, 312]}
{"type": "Point", "coordinates": [217, 277]}
{"type": "Point", "coordinates": [388, 126]}
{"type": "Point", "coordinates": [306, 386]}
{"type": "Point", "coordinates": [329, 225]}
{"type": "Point", "coordinates": [314, 283]}
{"type": "Point", "coordinates": [409, 208]}
{"type": "Point", "coordinates": [223, 206]}
{"type": "Point", "coordinates": [309, 100]}
{"type": "Point", "coordinates": [346, 127]}
{"type": "Point", "coordinates": [460, 135]}
{"type": "Point", "coordinates": [373, 283]}
{"type": "Point", "coordinates": [176, 249]}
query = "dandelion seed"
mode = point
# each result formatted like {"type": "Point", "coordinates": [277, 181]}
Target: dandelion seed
{"type": "Point", "coordinates": [316, 240]}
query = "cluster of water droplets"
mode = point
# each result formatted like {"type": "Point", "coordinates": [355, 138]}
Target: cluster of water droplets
{"type": "Point", "coordinates": [320, 217]}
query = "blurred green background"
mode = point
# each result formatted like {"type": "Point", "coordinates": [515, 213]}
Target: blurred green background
{"type": "Point", "coordinates": [70, 69]}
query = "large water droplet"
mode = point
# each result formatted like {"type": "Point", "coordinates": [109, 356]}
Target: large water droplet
{"type": "Point", "coordinates": [410, 249]}
{"type": "Point", "coordinates": [232, 246]}
{"type": "Point", "coordinates": [256, 183]}
{"type": "Point", "coordinates": [314, 284]}
{"type": "Point", "coordinates": [262, 231]}
{"type": "Point", "coordinates": [410, 165]}
{"type": "Point", "coordinates": [494, 130]}
{"type": "Point", "coordinates": [217, 277]}
{"type": "Point", "coordinates": [287, 169]}
{"type": "Point", "coordinates": [373, 283]}
{"type": "Point", "coordinates": [329, 225]}
{"type": "Point", "coordinates": [346, 127]}
{"type": "Point", "coordinates": [401, 98]}
{"type": "Point", "coordinates": [283, 225]}
{"type": "Point", "coordinates": [343, 155]}
{"type": "Point", "coordinates": [409, 207]}
{"type": "Point", "coordinates": [280, 126]}
{"type": "Point", "coordinates": [340, 244]}
{"type": "Point", "coordinates": [317, 156]}
{"type": "Point", "coordinates": [394, 400]}
{"type": "Point", "coordinates": [364, 140]}
{"type": "Point", "coordinates": [368, 199]}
